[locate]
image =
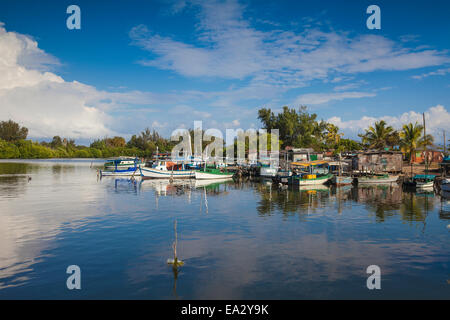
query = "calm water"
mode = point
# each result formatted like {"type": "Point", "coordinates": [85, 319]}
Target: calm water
{"type": "Point", "coordinates": [238, 241]}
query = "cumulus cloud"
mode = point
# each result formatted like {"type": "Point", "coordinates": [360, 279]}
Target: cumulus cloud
{"type": "Point", "coordinates": [437, 119]}
{"type": "Point", "coordinates": [47, 104]}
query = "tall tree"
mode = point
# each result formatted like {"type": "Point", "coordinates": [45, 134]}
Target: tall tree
{"type": "Point", "coordinates": [11, 131]}
{"type": "Point", "coordinates": [332, 134]}
{"type": "Point", "coordinates": [379, 136]}
{"type": "Point", "coordinates": [297, 128]}
{"type": "Point", "coordinates": [410, 138]}
{"type": "Point", "coordinates": [56, 142]}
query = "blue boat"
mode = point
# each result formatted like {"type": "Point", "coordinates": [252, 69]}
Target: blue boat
{"type": "Point", "coordinates": [122, 167]}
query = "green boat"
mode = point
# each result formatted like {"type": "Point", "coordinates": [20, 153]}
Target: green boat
{"type": "Point", "coordinates": [210, 173]}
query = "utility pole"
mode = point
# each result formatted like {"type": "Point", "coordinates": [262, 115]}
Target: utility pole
{"type": "Point", "coordinates": [425, 141]}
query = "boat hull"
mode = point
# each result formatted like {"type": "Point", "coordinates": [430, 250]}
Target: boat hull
{"type": "Point", "coordinates": [200, 175]}
{"type": "Point", "coordinates": [311, 182]}
{"type": "Point", "coordinates": [341, 180]}
{"type": "Point", "coordinates": [128, 172]}
{"type": "Point", "coordinates": [445, 186]}
{"type": "Point", "coordinates": [150, 173]}
{"type": "Point", "coordinates": [390, 179]}
{"type": "Point", "coordinates": [423, 185]}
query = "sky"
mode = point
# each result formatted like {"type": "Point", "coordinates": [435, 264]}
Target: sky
{"type": "Point", "coordinates": [165, 64]}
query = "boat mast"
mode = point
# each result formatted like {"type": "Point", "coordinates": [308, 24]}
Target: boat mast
{"type": "Point", "coordinates": [444, 144]}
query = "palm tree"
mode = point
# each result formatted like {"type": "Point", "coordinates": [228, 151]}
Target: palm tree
{"type": "Point", "coordinates": [410, 138]}
{"type": "Point", "coordinates": [332, 134]}
{"type": "Point", "coordinates": [426, 141]}
{"type": "Point", "coordinates": [379, 136]}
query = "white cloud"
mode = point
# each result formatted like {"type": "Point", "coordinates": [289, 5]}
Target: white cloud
{"type": "Point", "coordinates": [228, 46]}
{"type": "Point", "coordinates": [439, 72]}
{"type": "Point", "coordinates": [47, 104]}
{"type": "Point", "coordinates": [437, 119]}
{"type": "Point", "coordinates": [321, 98]}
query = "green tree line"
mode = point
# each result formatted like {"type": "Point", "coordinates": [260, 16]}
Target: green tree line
{"type": "Point", "coordinates": [13, 145]}
{"type": "Point", "coordinates": [298, 128]}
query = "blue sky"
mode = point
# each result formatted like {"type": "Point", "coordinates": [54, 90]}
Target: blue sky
{"type": "Point", "coordinates": [164, 64]}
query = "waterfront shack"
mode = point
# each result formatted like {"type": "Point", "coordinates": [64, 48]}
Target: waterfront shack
{"type": "Point", "coordinates": [378, 161]}
{"type": "Point", "coordinates": [431, 155]}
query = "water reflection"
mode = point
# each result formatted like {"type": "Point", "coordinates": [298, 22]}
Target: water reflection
{"type": "Point", "coordinates": [256, 241]}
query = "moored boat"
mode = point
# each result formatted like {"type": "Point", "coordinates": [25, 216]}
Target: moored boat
{"type": "Point", "coordinates": [377, 178]}
{"type": "Point", "coordinates": [122, 163]}
{"type": "Point", "coordinates": [340, 177]}
{"type": "Point", "coordinates": [424, 180]}
{"type": "Point", "coordinates": [311, 173]}
{"type": "Point", "coordinates": [163, 169]}
{"type": "Point", "coordinates": [209, 173]}
{"type": "Point", "coordinates": [341, 180]}
{"type": "Point", "coordinates": [445, 185]}
{"type": "Point", "coordinates": [121, 172]}
{"type": "Point", "coordinates": [310, 179]}
{"type": "Point", "coordinates": [121, 166]}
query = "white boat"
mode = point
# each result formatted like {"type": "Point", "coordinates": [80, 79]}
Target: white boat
{"type": "Point", "coordinates": [424, 181]}
{"type": "Point", "coordinates": [377, 179]}
{"type": "Point", "coordinates": [213, 174]}
{"type": "Point", "coordinates": [166, 170]}
{"type": "Point", "coordinates": [445, 185]}
{"type": "Point", "coordinates": [424, 185]}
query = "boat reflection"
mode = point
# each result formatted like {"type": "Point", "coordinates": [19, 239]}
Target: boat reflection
{"type": "Point", "coordinates": [383, 201]}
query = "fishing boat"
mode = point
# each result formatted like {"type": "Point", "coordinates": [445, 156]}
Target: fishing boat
{"type": "Point", "coordinates": [424, 180]}
{"type": "Point", "coordinates": [165, 169]}
{"type": "Point", "coordinates": [121, 172]}
{"type": "Point", "coordinates": [210, 173]}
{"type": "Point", "coordinates": [122, 163]}
{"type": "Point", "coordinates": [312, 173]}
{"type": "Point", "coordinates": [121, 166]}
{"type": "Point", "coordinates": [340, 178]}
{"type": "Point", "coordinates": [445, 185]}
{"type": "Point", "coordinates": [377, 178]}
{"type": "Point", "coordinates": [310, 179]}
{"type": "Point", "coordinates": [195, 163]}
